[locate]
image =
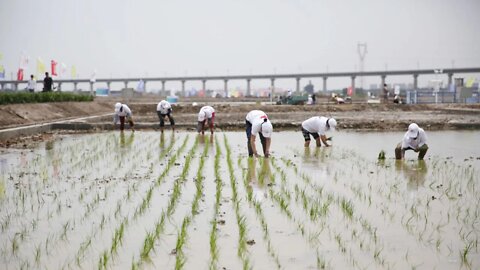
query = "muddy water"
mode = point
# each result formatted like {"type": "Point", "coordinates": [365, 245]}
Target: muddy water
{"type": "Point", "coordinates": [63, 204]}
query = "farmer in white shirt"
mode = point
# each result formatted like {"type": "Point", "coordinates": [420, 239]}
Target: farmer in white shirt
{"type": "Point", "coordinates": [165, 109]}
{"type": "Point", "coordinates": [32, 84]}
{"type": "Point", "coordinates": [122, 111]}
{"type": "Point", "coordinates": [207, 113]}
{"type": "Point", "coordinates": [414, 139]}
{"type": "Point", "coordinates": [316, 127]}
{"type": "Point", "coordinates": [257, 123]}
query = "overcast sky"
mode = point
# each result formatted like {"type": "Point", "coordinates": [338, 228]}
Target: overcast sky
{"type": "Point", "coordinates": [120, 38]}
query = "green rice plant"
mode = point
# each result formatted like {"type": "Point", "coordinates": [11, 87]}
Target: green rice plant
{"type": "Point", "coordinates": [464, 253]}
{"type": "Point", "coordinates": [347, 208]}
{"type": "Point", "coordinates": [148, 246]}
{"type": "Point", "coordinates": [103, 261]}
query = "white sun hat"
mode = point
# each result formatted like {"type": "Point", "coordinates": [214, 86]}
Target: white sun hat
{"type": "Point", "coordinates": [267, 129]}
{"type": "Point", "coordinates": [201, 116]}
{"type": "Point", "coordinates": [117, 106]}
{"type": "Point", "coordinates": [412, 130]}
{"type": "Point", "coordinates": [332, 123]}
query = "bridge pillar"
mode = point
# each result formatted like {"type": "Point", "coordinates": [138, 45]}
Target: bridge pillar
{"type": "Point", "coordinates": [108, 85]}
{"type": "Point", "coordinates": [272, 89]}
{"type": "Point", "coordinates": [183, 88]}
{"type": "Point", "coordinates": [353, 86]}
{"type": "Point", "coordinates": [450, 79]}
{"type": "Point", "coordinates": [75, 86]}
{"type": "Point", "coordinates": [204, 86]}
{"type": "Point", "coordinates": [249, 92]}
{"type": "Point", "coordinates": [15, 86]}
{"type": "Point", "coordinates": [163, 89]}
{"type": "Point", "coordinates": [145, 86]}
{"type": "Point", "coordinates": [91, 88]}
{"type": "Point", "coordinates": [415, 81]}
{"type": "Point", "coordinates": [298, 85]}
{"type": "Point", "coordinates": [126, 84]}
{"type": "Point", "coordinates": [59, 86]}
{"type": "Point", "coordinates": [1, 86]}
{"type": "Point", "coordinates": [225, 88]}
{"type": "Point", "coordinates": [325, 84]}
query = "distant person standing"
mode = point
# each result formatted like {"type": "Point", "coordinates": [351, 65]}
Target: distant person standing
{"type": "Point", "coordinates": [32, 84]}
{"type": "Point", "coordinates": [314, 99]}
{"type": "Point", "coordinates": [316, 127]}
{"type": "Point", "coordinates": [257, 123]}
{"type": "Point", "coordinates": [47, 83]}
{"type": "Point", "coordinates": [207, 113]}
{"type": "Point", "coordinates": [385, 93]}
{"type": "Point", "coordinates": [164, 109]}
{"type": "Point", "coordinates": [414, 139]}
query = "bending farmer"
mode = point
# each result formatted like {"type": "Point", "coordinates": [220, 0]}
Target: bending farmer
{"type": "Point", "coordinates": [207, 113]}
{"type": "Point", "coordinates": [122, 111]}
{"type": "Point", "coordinates": [257, 123]}
{"type": "Point", "coordinates": [415, 139]}
{"type": "Point", "coordinates": [316, 127]}
{"type": "Point", "coordinates": [165, 109]}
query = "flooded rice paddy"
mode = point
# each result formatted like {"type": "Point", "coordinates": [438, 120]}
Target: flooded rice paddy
{"type": "Point", "coordinates": [179, 201]}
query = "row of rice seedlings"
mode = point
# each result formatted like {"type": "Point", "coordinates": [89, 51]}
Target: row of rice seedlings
{"type": "Point", "coordinates": [118, 235]}
{"type": "Point", "coordinates": [242, 251]}
{"type": "Point", "coordinates": [257, 205]}
{"type": "Point", "coordinates": [345, 205]}
{"type": "Point", "coordinates": [214, 252]}
{"type": "Point", "coordinates": [183, 234]}
{"type": "Point", "coordinates": [101, 225]}
{"type": "Point", "coordinates": [152, 236]}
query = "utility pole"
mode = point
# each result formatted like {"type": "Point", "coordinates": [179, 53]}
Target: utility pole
{"type": "Point", "coordinates": [362, 52]}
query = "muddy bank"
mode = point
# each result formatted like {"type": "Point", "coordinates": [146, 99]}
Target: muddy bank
{"type": "Point", "coordinates": [231, 116]}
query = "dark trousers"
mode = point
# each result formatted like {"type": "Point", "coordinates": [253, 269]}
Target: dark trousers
{"type": "Point", "coordinates": [122, 122]}
{"type": "Point", "coordinates": [161, 116]}
{"type": "Point", "coordinates": [248, 126]}
{"type": "Point", "coordinates": [400, 152]}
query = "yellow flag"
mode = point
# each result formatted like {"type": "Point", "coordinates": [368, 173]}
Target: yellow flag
{"type": "Point", "coordinates": [74, 72]}
{"type": "Point", "coordinates": [470, 82]}
{"type": "Point", "coordinates": [40, 67]}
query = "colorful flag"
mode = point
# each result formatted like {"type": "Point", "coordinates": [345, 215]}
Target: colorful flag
{"type": "Point", "coordinates": [349, 91]}
{"type": "Point", "coordinates": [20, 74]}
{"type": "Point", "coordinates": [74, 72]}
{"type": "Point", "coordinates": [2, 72]}
{"type": "Point", "coordinates": [63, 70]}
{"type": "Point", "coordinates": [40, 67]}
{"type": "Point", "coordinates": [470, 82]}
{"type": "Point", "coordinates": [54, 67]}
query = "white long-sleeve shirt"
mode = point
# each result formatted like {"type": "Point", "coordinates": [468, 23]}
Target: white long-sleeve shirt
{"type": "Point", "coordinates": [32, 84]}
{"type": "Point", "coordinates": [414, 143]}
{"type": "Point", "coordinates": [163, 107]}
{"type": "Point", "coordinates": [316, 124]}
{"type": "Point", "coordinates": [206, 112]}
{"type": "Point", "coordinates": [123, 110]}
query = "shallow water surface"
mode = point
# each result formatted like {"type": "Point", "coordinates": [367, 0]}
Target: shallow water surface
{"type": "Point", "coordinates": [178, 200]}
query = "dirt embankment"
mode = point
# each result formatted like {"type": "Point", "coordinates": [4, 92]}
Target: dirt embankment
{"type": "Point", "coordinates": [230, 115]}
{"type": "Point", "coordinates": [34, 113]}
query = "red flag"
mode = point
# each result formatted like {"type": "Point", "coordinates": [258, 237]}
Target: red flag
{"type": "Point", "coordinates": [349, 91]}
{"type": "Point", "coordinates": [54, 67]}
{"type": "Point", "coordinates": [20, 74]}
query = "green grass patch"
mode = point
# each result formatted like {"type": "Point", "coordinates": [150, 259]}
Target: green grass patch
{"type": "Point", "coordinates": [24, 97]}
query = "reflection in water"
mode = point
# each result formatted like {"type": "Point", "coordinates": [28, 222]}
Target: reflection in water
{"type": "Point", "coordinates": [415, 172]}
{"type": "Point", "coordinates": [123, 142]}
{"type": "Point", "coordinates": [258, 185]}
{"type": "Point", "coordinates": [162, 140]}
{"type": "Point", "coordinates": [315, 156]}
